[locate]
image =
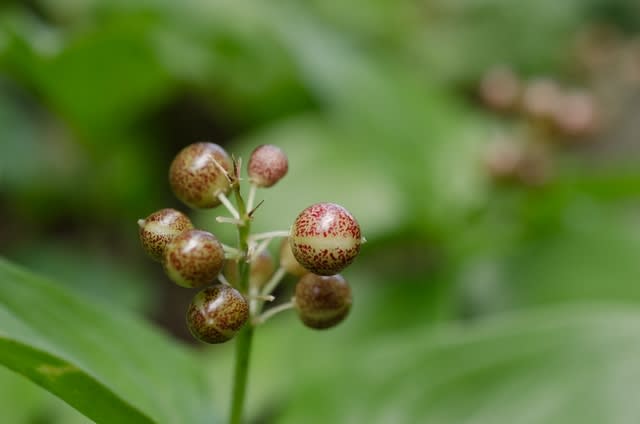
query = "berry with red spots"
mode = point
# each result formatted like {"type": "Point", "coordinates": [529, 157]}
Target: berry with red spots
{"type": "Point", "coordinates": [194, 259]}
{"type": "Point", "coordinates": [322, 301]}
{"type": "Point", "coordinates": [199, 173]}
{"type": "Point", "coordinates": [217, 313]}
{"type": "Point", "coordinates": [325, 238]}
{"type": "Point", "coordinates": [267, 165]}
{"type": "Point", "coordinates": [159, 228]}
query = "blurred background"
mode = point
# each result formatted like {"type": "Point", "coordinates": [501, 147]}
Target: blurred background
{"type": "Point", "coordinates": [489, 148]}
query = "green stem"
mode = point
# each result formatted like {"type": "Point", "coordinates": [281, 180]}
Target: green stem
{"type": "Point", "coordinates": [241, 373]}
{"type": "Point", "coordinates": [245, 336]}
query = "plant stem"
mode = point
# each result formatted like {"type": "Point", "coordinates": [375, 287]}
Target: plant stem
{"type": "Point", "coordinates": [241, 373]}
{"type": "Point", "coordinates": [245, 336]}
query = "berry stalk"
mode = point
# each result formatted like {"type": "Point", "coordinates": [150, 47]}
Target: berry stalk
{"type": "Point", "coordinates": [245, 336]}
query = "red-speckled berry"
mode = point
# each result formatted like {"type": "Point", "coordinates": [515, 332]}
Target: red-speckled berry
{"type": "Point", "coordinates": [267, 165]}
{"type": "Point", "coordinates": [196, 179]}
{"type": "Point", "coordinates": [217, 313]}
{"type": "Point", "coordinates": [194, 259]}
{"type": "Point", "coordinates": [325, 238]}
{"type": "Point", "coordinates": [288, 261]}
{"type": "Point", "coordinates": [159, 228]}
{"type": "Point", "coordinates": [322, 301]}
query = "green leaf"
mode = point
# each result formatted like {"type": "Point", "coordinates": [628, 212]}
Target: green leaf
{"type": "Point", "coordinates": [96, 357]}
{"type": "Point", "coordinates": [565, 365]}
{"type": "Point", "coordinates": [21, 401]}
{"type": "Point", "coordinates": [64, 379]}
{"type": "Point", "coordinates": [593, 257]}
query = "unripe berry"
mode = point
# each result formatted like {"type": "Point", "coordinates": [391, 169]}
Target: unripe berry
{"type": "Point", "coordinates": [322, 301]}
{"type": "Point", "coordinates": [159, 228]}
{"type": "Point", "coordinates": [267, 165]}
{"type": "Point", "coordinates": [196, 179]}
{"type": "Point", "coordinates": [260, 270]}
{"type": "Point", "coordinates": [288, 261]}
{"type": "Point", "coordinates": [217, 313]}
{"type": "Point", "coordinates": [194, 259]}
{"type": "Point", "coordinates": [576, 114]}
{"type": "Point", "coordinates": [500, 88]}
{"type": "Point", "coordinates": [325, 238]}
{"type": "Point", "coordinates": [540, 98]}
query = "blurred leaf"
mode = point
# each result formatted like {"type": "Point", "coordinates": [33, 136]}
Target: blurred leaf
{"type": "Point", "coordinates": [98, 81]}
{"type": "Point", "coordinates": [592, 255]}
{"type": "Point", "coordinates": [564, 366]}
{"type": "Point", "coordinates": [95, 356]}
{"type": "Point", "coordinates": [90, 271]}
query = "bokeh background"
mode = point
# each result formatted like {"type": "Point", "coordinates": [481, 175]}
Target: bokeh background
{"type": "Point", "coordinates": [489, 148]}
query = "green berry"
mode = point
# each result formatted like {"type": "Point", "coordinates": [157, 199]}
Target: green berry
{"type": "Point", "coordinates": [194, 259]}
{"type": "Point", "coordinates": [159, 228]}
{"type": "Point", "coordinates": [288, 261]}
{"type": "Point", "coordinates": [267, 165]}
{"type": "Point", "coordinates": [217, 313]}
{"type": "Point", "coordinates": [322, 301]}
{"type": "Point", "coordinates": [195, 177]}
{"type": "Point", "coordinates": [325, 238]}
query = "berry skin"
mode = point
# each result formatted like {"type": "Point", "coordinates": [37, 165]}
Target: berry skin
{"type": "Point", "coordinates": [325, 238]}
{"type": "Point", "coordinates": [194, 259]}
{"type": "Point", "coordinates": [288, 261]}
{"type": "Point", "coordinates": [322, 301]}
{"type": "Point", "coordinates": [217, 313]}
{"type": "Point", "coordinates": [196, 179]}
{"type": "Point", "coordinates": [267, 165]}
{"type": "Point", "coordinates": [159, 228]}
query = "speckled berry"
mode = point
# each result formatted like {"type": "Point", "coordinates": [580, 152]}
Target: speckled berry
{"type": "Point", "coordinates": [267, 165]}
{"type": "Point", "coordinates": [325, 238]}
{"type": "Point", "coordinates": [194, 259]}
{"type": "Point", "coordinates": [196, 179]}
{"type": "Point", "coordinates": [322, 301]}
{"type": "Point", "coordinates": [217, 313]}
{"type": "Point", "coordinates": [288, 261]}
{"type": "Point", "coordinates": [159, 228]}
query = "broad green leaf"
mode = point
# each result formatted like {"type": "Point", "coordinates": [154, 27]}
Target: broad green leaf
{"type": "Point", "coordinates": [555, 366]}
{"type": "Point", "coordinates": [68, 381]}
{"type": "Point", "coordinates": [95, 356]}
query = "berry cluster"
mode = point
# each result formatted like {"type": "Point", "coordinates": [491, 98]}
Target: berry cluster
{"type": "Point", "coordinates": [546, 115]}
{"type": "Point", "coordinates": [237, 281]}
